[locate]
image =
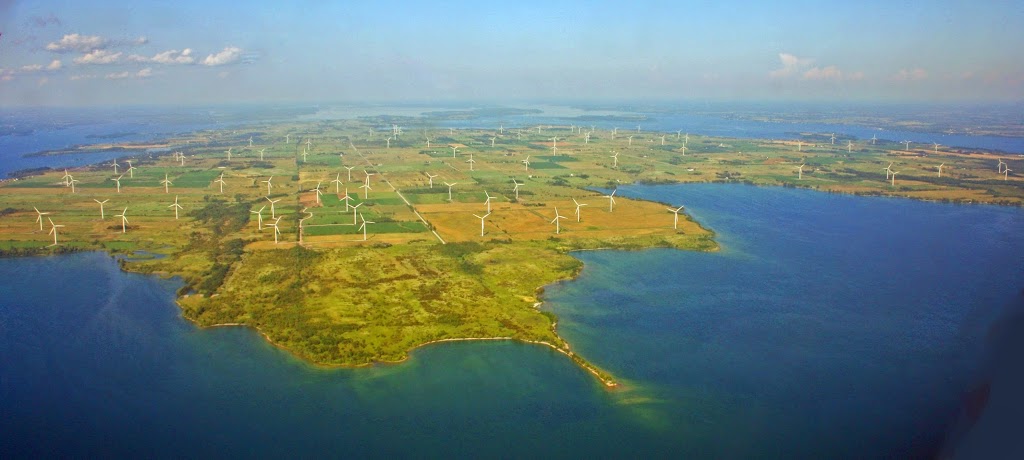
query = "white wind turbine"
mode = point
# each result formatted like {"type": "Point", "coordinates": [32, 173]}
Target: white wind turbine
{"type": "Point", "coordinates": [515, 189]}
{"type": "Point", "coordinates": [354, 207]}
{"type": "Point", "coordinates": [471, 161]}
{"type": "Point", "coordinates": [250, 141]}
{"type": "Point", "coordinates": [287, 138]}
{"type": "Point", "coordinates": [117, 180]}
{"type": "Point", "coordinates": [907, 149]}
{"type": "Point", "coordinates": [940, 169]}
{"type": "Point", "coordinates": [229, 153]}
{"type": "Point", "coordinates": [72, 182]}
{"type": "Point", "coordinates": [366, 187]}
{"type": "Point", "coordinates": [261, 153]}
{"type": "Point", "coordinates": [53, 230]}
{"type": "Point", "coordinates": [131, 169]}
{"type": "Point", "coordinates": [67, 177]}
{"type": "Point", "coordinates": [349, 168]}
{"type": "Point", "coordinates": [558, 226]}
{"type": "Point", "coordinates": [888, 170]}
{"type": "Point", "coordinates": [389, 142]}
{"type": "Point", "coordinates": [454, 149]}
{"type": "Point", "coordinates": [181, 158]}
{"type": "Point", "coordinates": [492, 141]}
{"type": "Point", "coordinates": [259, 217]}
{"type": "Point", "coordinates": [894, 173]}
{"type": "Point", "coordinates": [167, 183]}
{"type": "Point", "coordinates": [220, 180]}
{"type": "Point", "coordinates": [849, 146]}
{"type": "Point", "coordinates": [936, 145]}
{"type": "Point", "coordinates": [675, 218]}
{"type": "Point", "coordinates": [579, 215]}
{"type": "Point", "coordinates": [347, 199]}
{"type": "Point", "coordinates": [39, 217]}
{"type": "Point", "coordinates": [124, 220]}
{"type": "Point", "coordinates": [304, 154]}
{"type": "Point", "coordinates": [317, 191]}
{"type": "Point", "coordinates": [615, 160]}
{"type": "Point", "coordinates": [363, 225]}
{"type": "Point", "coordinates": [273, 214]}
{"type": "Point", "coordinates": [430, 177]}
{"type": "Point", "coordinates": [833, 138]}
{"type": "Point", "coordinates": [176, 207]}
{"type": "Point", "coordinates": [309, 143]}
{"type": "Point", "coordinates": [102, 217]}
{"type": "Point", "coordinates": [874, 137]}
{"type": "Point", "coordinates": [1006, 172]}
{"type": "Point", "coordinates": [115, 165]}
{"type": "Point", "coordinates": [999, 167]}
{"type": "Point", "coordinates": [800, 171]}
{"type": "Point", "coordinates": [488, 201]}
{"type": "Point", "coordinates": [630, 140]}
{"type": "Point", "coordinates": [450, 189]}
{"type": "Point", "coordinates": [482, 222]}
{"type": "Point", "coordinates": [611, 199]}
{"type": "Point", "coordinates": [662, 139]}
{"type": "Point", "coordinates": [799, 146]}
{"type": "Point", "coordinates": [269, 186]}
{"type": "Point", "coordinates": [526, 163]}
{"type": "Point", "coordinates": [683, 148]}
{"type": "Point", "coordinates": [337, 183]}
{"type": "Point", "coordinates": [277, 231]}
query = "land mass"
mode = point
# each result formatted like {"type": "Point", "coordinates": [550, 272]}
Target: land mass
{"type": "Point", "coordinates": [350, 243]}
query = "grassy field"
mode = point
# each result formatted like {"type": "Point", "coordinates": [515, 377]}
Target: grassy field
{"type": "Point", "coordinates": [424, 272]}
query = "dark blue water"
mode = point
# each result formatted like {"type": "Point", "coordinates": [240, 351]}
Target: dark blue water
{"type": "Point", "coordinates": [829, 326]}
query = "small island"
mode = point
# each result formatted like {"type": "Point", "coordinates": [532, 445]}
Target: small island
{"type": "Point", "coordinates": [352, 242]}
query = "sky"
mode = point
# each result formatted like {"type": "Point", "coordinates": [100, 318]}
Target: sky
{"type": "Point", "coordinates": [110, 53]}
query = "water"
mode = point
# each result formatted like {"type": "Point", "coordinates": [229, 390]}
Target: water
{"type": "Point", "coordinates": [829, 326]}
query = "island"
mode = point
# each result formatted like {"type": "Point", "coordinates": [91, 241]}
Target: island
{"type": "Point", "coordinates": [353, 242]}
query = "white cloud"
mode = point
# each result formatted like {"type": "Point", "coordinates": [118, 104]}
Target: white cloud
{"type": "Point", "coordinates": [174, 57]}
{"type": "Point", "coordinates": [54, 65]}
{"type": "Point", "coordinates": [31, 68]}
{"type": "Point", "coordinates": [99, 57]}
{"type": "Point", "coordinates": [83, 77]}
{"type": "Point", "coordinates": [144, 73]}
{"type": "Point", "coordinates": [910, 75]}
{"type": "Point", "coordinates": [791, 65]}
{"type": "Point", "coordinates": [828, 73]}
{"type": "Point", "coordinates": [76, 42]}
{"type": "Point", "coordinates": [229, 55]}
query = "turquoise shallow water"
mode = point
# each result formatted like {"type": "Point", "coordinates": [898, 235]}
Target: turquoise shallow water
{"type": "Point", "coordinates": [828, 326]}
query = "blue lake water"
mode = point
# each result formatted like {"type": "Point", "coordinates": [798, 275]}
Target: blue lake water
{"type": "Point", "coordinates": [828, 326]}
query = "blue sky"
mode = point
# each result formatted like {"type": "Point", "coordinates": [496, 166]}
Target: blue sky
{"type": "Point", "coordinates": [75, 53]}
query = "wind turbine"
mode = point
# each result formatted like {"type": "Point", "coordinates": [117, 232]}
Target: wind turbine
{"type": "Point", "coordinates": [363, 225]}
{"type": "Point", "coordinates": [615, 160]}
{"type": "Point", "coordinates": [454, 149]}
{"type": "Point", "coordinates": [131, 169]}
{"type": "Point", "coordinates": [39, 218]}
{"type": "Point", "coordinates": [67, 177]}
{"type": "Point", "coordinates": [347, 199]}
{"type": "Point", "coordinates": [366, 188]}
{"type": "Point", "coordinates": [118, 181]}
{"type": "Point", "coordinates": [389, 142]}
{"type": "Point", "coordinates": [250, 141]}
{"type": "Point", "coordinates": [611, 199]}
{"type": "Point", "coordinates": [101, 207]}
{"type": "Point", "coordinates": [800, 171]}
{"type": "Point", "coordinates": [349, 168]}
{"type": "Point", "coordinates": [849, 146]}
{"type": "Point", "coordinates": [579, 205]}
{"type": "Point", "coordinates": [874, 137]}
{"type": "Point", "coordinates": [450, 189]}
{"type": "Point", "coordinates": [354, 207]}
{"type": "Point", "coordinates": [662, 139]}
{"type": "Point", "coordinates": [167, 182]}
{"type": "Point", "coordinates": [488, 201]}
{"type": "Point", "coordinates": [888, 170]}
{"type": "Point", "coordinates": [833, 138]}
{"type": "Point", "coordinates": [272, 213]}
{"type": "Point", "coordinates": [999, 167]}
{"type": "Point", "coordinates": [940, 169]}
{"type": "Point", "coordinates": [124, 220]}
{"type": "Point", "coordinates": [287, 139]}
{"type": "Point", "coordinates": [492, 141]}
{"type": "Point", "coordinates": [309, 143]}
{"type": "Point", "coordinates": [304, 154]}
{"type": "Point", "coordinates": [515, 189]}
{"type": "Point", "coordinates": [181, 158]}
{"type": "Point", "coordinates": [268, 183]}
{"type": "Point", "coordinates": [277, 231]}
{"type": "Point", "coordinates": [558, 226]}
{"type": "Point", "coordinates": [431, 179]}
{"type": "Point", "coordinates": [907, 149]}
{"type": "Point", "coordinates": [630, 140]}
{"type": "Point", "coordinates": [526, 163]}
{"type": "Point", "coordinates": [675, 218]}
{"type": "Point", "coordinates": [894, 173]}
{"type": "Point", "coordinates": [936, 145]}
{"type": "Point", "coordinates": [337, 183]}
{"type": "Point", "coordinates": [229, 153]}
{"type": "Point", "coordinates": [176, 207]}
{"type": "Point", "coordinates": [471, 161]}
{"type": "Point", "coordinates": [53, 230]}
{"type": "Point", "coordinates": [318, 192]}
{"type": "Point", "coordinates": [261, 153]}
{"type": "Point", "coordinates": [683, 148]}
{"type": "Point", "coordinates": [799, 146]}
{"type": "Point", "coordinates": [482, 221]}
{"type": "Point", "coordinates": [73, 181]}
{"type": "Point", "coordinates": [221, 181]}
{"type": "Point", "coordinates": [259, 216]}
{"type": "Point", "coordinates": [1006, 172]}
{"type": "Point", "coordinates": [115, 165]}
